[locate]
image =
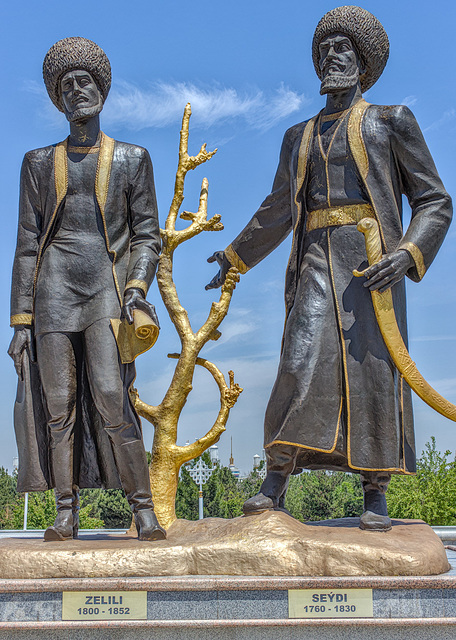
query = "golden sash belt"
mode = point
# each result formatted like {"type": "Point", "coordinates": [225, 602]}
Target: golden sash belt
{"type": "Point", "coordinates": [337, 216]}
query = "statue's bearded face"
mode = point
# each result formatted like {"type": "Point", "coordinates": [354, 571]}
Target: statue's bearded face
{"type": "Point", "coordinates": [81, 97]}
{"type": "Point", "coordinates": [339, 63]}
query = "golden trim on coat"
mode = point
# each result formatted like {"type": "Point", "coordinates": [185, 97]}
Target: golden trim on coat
{"type": "Point", "coordinates": [303, 155]}
{"type": "Point", "coordinates": [342, 343]}
{"type": "Point", "coordinates": [359, 152]}
{"type": "Point", "coordinates": [137, 284]}
{"type": "Point", "coordinates": [305, 446]}
{"type": "Point", "coordinates": [416, 255]}
{"type": "Point", "coordinates": [235, 260]}
{"type": "Point", "coordinates": [103, 174]}
{"type": "Point", "coordinates": [61, 187]}
{"type": "Point", "coordinates": [21, 318]}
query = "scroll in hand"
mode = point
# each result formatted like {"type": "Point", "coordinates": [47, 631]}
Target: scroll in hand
{"type": "Point", "coordinates": [136, 338]}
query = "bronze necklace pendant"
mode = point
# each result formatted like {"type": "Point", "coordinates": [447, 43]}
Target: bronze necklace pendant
{"type": "Point", "coordinates": [324, 155]}
{"type": "Point", "coordinates": [338, 116]}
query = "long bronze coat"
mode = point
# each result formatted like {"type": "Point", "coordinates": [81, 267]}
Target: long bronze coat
{"type": "Point", "coordinates": [335, 372]}
{"type": "Point", "coordinates": [125, 194]}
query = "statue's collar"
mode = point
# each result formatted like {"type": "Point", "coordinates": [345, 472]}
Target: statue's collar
{"type": "Point", "coordinates": [105, 155]}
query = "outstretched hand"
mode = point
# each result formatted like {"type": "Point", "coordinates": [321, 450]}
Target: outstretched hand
{"type": "Point", "coordinates": [224, 264]}
{"type": "Point", "coordinates": [388, 271]}
{"type": "Point", "coordinates": [134, 299]}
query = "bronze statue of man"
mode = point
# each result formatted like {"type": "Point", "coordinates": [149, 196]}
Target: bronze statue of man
{"type": "Point", "coordinates": [338, 401]}
{"type": "Point", "coordinates": [87, 249]}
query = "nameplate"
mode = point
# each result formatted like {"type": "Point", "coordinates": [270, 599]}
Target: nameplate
{"type": "Point", "coordinates": [104, 605]}
{"type": "Point", "coordinates": [330, 603]}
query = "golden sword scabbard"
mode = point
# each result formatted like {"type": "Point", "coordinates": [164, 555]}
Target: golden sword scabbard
{"type": "Point", "coordinates": [386, 318]}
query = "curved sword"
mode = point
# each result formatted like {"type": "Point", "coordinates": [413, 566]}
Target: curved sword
{"type": "Point", "coordinates": [386, 318]}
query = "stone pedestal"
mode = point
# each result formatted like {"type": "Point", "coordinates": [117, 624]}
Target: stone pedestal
{"type": "Point", "coordinates": [230, 608]}
{"type": "Point", "coordinates": [185, 606]}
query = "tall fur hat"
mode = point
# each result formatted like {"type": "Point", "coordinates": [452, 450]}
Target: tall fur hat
{"type": "Point", "coordinates": [366, 33]}
{"type": "Point", "coordinates": [75, 53]}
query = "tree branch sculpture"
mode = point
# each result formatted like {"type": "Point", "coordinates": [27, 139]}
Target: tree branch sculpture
{"type": "Point", "coordinates": [167, 457]}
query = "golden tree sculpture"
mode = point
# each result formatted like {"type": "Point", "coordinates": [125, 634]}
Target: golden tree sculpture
{"type": "Point", "coordinates": [167, 456]}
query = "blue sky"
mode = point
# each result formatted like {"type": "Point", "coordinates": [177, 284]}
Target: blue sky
{"type": "Point", "coordinates": [246, 68]}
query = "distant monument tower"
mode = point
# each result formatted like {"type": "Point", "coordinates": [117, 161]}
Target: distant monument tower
{"type": "Point", "coordinates": [234, 470]}
{"type": "Point", "coordinates": [213, 452]}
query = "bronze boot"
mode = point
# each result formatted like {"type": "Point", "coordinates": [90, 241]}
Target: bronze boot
{"type": "Point", "coordinates": [62, 467]}
{"type": "Point", "coordinates": [270, 495]}
{"type": "Point", "coordinates": [147, 525]}
{"type": "Point", "coordinates": [375, 516]}
{"type": "Point", "coordinates": [62, 529]}
{"type": "Point", "coordinates": [133, 470]}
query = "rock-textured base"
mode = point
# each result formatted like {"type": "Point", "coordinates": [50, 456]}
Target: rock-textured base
{"type": "Point", "coordinates": [269, 544]}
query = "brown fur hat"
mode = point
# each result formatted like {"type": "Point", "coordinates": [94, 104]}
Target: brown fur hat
{"type": "Point", "coordinates": [75, 53]}
{"type": "Point", "coordinates": [366, 33]}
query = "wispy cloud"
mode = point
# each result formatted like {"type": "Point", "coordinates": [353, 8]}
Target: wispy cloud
{"type": "Point", "coordinates": [444, 119]}
{"type": "Point", "coordinates": [44, 107]}
{"type": "Point", "coordinates": [234, 331]}
{"type": "Point", "coordinates": [256, 375]}
{"type": "Point", "coordinates": [275, 107]}
{"type": "Point", "coordinates": [236, 328]}
{"type": "Point", "coordinates": [32, 86]}
{"type": "Point", "coordinates": [409, 101]}
{"type": "Point", "coordinates": [161, 104]}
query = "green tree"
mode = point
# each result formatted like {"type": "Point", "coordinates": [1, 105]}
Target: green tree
{"type": "Point", "coordinates": [186, 496]}
{"type": "Point", "coordinates": [431, 494]}
{"type": "Point", "coordinates": [348, 496]}
{"type": "Point", "coordinates": [88, 521]}
{"type": "Point", "coordinates": [250, 485]}
{"type": "Point", "coordinates": [323, 495]}
{"type": "Point", "coordinates": [42, 512]}
{"type": "Point", "coordinates": [109, 506]}
{"type": "Point", "coordinates": [222, 495]}
{"type": "Point", "coordinates": [314, 495]}
{"type": "Point", "coordinates": [8, 497]}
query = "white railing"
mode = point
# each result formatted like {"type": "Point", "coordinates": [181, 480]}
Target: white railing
{"type": "Point", "coordinates": [446, 534]}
